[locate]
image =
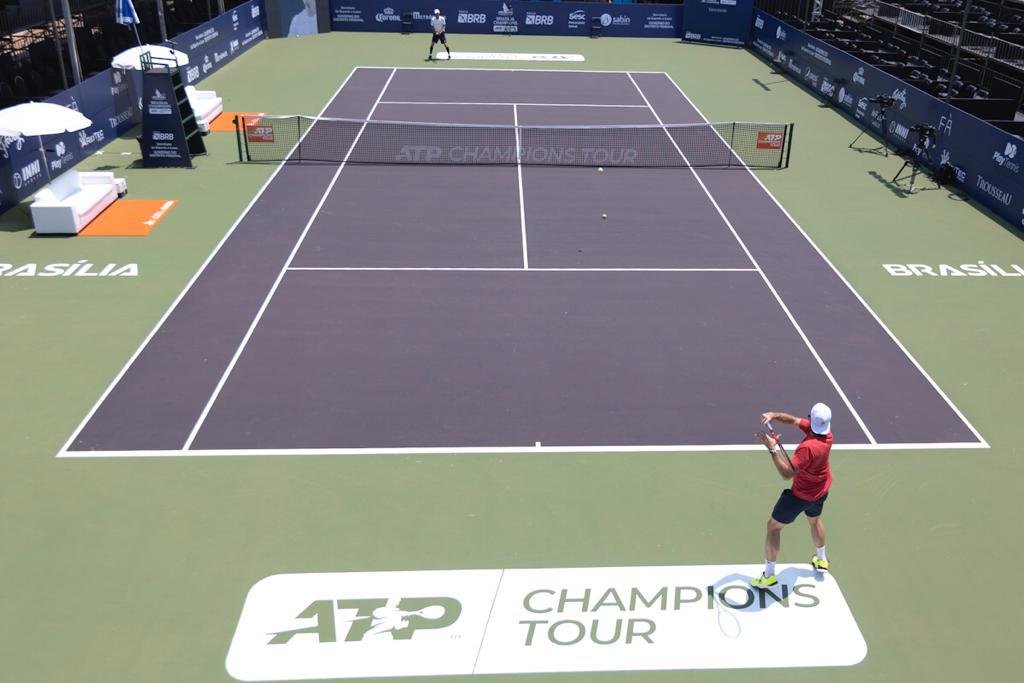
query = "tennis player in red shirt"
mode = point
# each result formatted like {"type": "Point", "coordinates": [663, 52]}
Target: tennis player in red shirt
{"type": "Point", "coordinates": [809, 469]}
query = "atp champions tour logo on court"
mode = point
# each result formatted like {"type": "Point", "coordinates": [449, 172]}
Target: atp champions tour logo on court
{"type": "Point", "coordinates": [489, 621]}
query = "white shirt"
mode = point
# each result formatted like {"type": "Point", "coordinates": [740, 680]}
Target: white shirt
{"type": "Point", "coordinates": [302, 24]}
{"type": "Point", "coordinates": [437, 23]}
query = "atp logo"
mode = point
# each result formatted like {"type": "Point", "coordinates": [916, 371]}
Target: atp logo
{"type": "Point", "coordinates": [364, 619]}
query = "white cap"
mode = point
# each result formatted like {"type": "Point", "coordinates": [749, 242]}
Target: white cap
{"type": "Point", "coordinates": [437, 11]}
{"type": "Point", "coordinates": [821, 419]}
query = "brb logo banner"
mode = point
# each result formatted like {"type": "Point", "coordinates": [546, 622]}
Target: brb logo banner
{"type": "Point", "coordinates": [512, 16]}
{"type": "Point", "coordinates": [431, 623]}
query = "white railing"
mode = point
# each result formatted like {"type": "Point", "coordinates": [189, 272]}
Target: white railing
{"type": "Point", "coordinates": [944, 31]}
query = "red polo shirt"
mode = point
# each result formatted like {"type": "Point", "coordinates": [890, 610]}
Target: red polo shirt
{"type": "Point", "coordinates": [814, 476]}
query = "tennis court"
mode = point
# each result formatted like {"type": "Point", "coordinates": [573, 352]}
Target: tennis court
{"type": "Point", "coordinates": [515, 439]}
{"type": "Point", "coordinates": [510, 314]}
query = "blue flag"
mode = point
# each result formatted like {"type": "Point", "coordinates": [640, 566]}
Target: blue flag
{"type": "Point", "coordinates": [124, 12]}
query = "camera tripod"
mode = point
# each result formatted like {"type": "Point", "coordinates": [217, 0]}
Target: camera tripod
{"type": "Point", "coordinates": [925, 142]}
{"type": "Point", "coordinates": [883, 113]}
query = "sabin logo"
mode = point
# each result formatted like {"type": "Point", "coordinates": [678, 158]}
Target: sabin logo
{"type": "Point", "coordinates": [372, 618]}
{"type": "Point", "coordinates": [606, 20]}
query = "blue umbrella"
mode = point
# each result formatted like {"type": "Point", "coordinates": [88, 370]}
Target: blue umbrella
{"type": "Point", "coordinates": [124, 13]}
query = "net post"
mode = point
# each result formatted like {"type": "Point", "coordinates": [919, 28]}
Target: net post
{"type": "Point", "coordinates": [732, 145]}
{"type": "Point", "coordinates": [238, 137]}
{"type": "Point", "coordinates": [789, 144]}
{"type": "Point", "coordinates": [245, 138]}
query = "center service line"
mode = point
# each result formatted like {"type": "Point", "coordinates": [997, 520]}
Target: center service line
{"type": "Point", "coordinates": [519, 174]}
{"type": "Point", "coordinates": [284, 269]}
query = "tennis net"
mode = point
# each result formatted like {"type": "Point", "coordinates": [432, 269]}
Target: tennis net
{"type": "Point", "coordinates": [328, 140]}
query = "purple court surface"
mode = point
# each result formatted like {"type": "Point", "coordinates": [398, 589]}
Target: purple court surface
{"type": "Point", "coordinates": [416, 308]}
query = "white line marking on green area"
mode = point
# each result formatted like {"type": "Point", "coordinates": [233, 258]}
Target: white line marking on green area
{"type": "Point", "coordinates": [846, 282]}
{"type": "Point", "coordinates": [975, 270]}
{"type": "Point", "coordinates": [516, 57]}
{"type": "Point", "coordinates": [502, 621]}
{"type": "Point", "coordinates": [520, 104]}
{"type": "Point", "coordinates": [488, 450]}
{"type": "Point", "coordinates": [750, 256]}
{"type": "Point", "coordinates": [532, 270]}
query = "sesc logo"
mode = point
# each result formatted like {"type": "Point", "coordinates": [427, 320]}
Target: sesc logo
{"type": "Point", "coordinates": [471, 17]}
{"type": "Point", "coordinates": [827, 88]}
{"type": "Point", "coordinates": [533, 19]}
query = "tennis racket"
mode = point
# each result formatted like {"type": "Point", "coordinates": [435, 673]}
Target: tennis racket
{"type": "Point", "coordinates": [778, 441]}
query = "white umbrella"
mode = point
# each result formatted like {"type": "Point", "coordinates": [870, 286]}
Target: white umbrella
{"type": "Point", "coordinates": [162, 56]}
{"type": "Point", "coordinates": [39, 119]}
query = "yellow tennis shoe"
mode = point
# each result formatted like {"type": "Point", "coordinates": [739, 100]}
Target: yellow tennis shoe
{"type": "Point", "coordinates": [764, 581]}
{"type": "Point", "coordinates": [820, 565]}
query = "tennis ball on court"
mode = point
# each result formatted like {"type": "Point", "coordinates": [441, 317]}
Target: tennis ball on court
{"type": "Point", "coordinates": [600, 169]}
{"type": "Point", "coordinates": [604, 215]}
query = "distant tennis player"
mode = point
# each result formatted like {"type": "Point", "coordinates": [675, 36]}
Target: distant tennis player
{"type": "Point", "coordinates": [438, 24]}
{"type": "Point", "coordinates": [809, 469]}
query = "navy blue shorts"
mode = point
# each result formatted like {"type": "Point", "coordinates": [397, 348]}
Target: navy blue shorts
{"type": "Point", "coordinates": [439, 38]}
{"type": "Point", "coordinates": [789, 507]}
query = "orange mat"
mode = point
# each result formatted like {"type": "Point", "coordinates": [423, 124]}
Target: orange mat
{"type": "Point", "coordinates": [224, 123]}
{"type": "Point", "coordinates": [129, 218]}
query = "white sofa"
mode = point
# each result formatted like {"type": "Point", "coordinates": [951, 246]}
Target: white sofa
{"type": "Point", "coordinates": [206, 105]}
{"type": "Point", "coordinates": [73, 200]}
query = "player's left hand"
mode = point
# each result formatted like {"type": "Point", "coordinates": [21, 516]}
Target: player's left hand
{"type": "Point", "coordinates": [767, 440]}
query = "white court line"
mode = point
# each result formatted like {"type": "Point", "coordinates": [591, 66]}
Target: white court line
{"type": "Point", "coordinates": [510, 450]}
{"type": "Point", "coordinates": [280, 275]}
{"type": "Point", "coordinates": [519, 175]}
{"type": "Point", "coordinates": [899, 344]}
{"type": "Point", "coordinates": [481, 68]}
{"type": "Point", "coordinates": [767, 282]}
{"type": "Point", "coordinates": [195, 277]}
{"type": "Point", "coordinates": [532, 270]}
{"type": "Point", "coordinates": [522, 104]}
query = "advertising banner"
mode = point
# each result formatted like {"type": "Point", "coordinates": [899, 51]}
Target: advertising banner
{"type": "Point", "coordinates": [112, 100]}
{"type": "Point", "coordinates": [717, 22]}
{"type": "Point", "coordinates": [512, 17]}
{"type": "Point", "coordinates": [980, 157]}
{"type": "Point", "coordinates": [163, 136]}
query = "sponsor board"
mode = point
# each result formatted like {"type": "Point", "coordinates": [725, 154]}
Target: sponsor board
{"type": "Point", "coordinates": [458, 622]}
{"type": "Point", "coordinates": [257, 133]}
{"type": "Point", "coordinates": [505, 20]}
{"type": "Point", "coordinates": [769, 140]}
{"type": "Point", "coordinates": [465, 17]}
{"type": "Point", "coordinates": [981, 159]}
